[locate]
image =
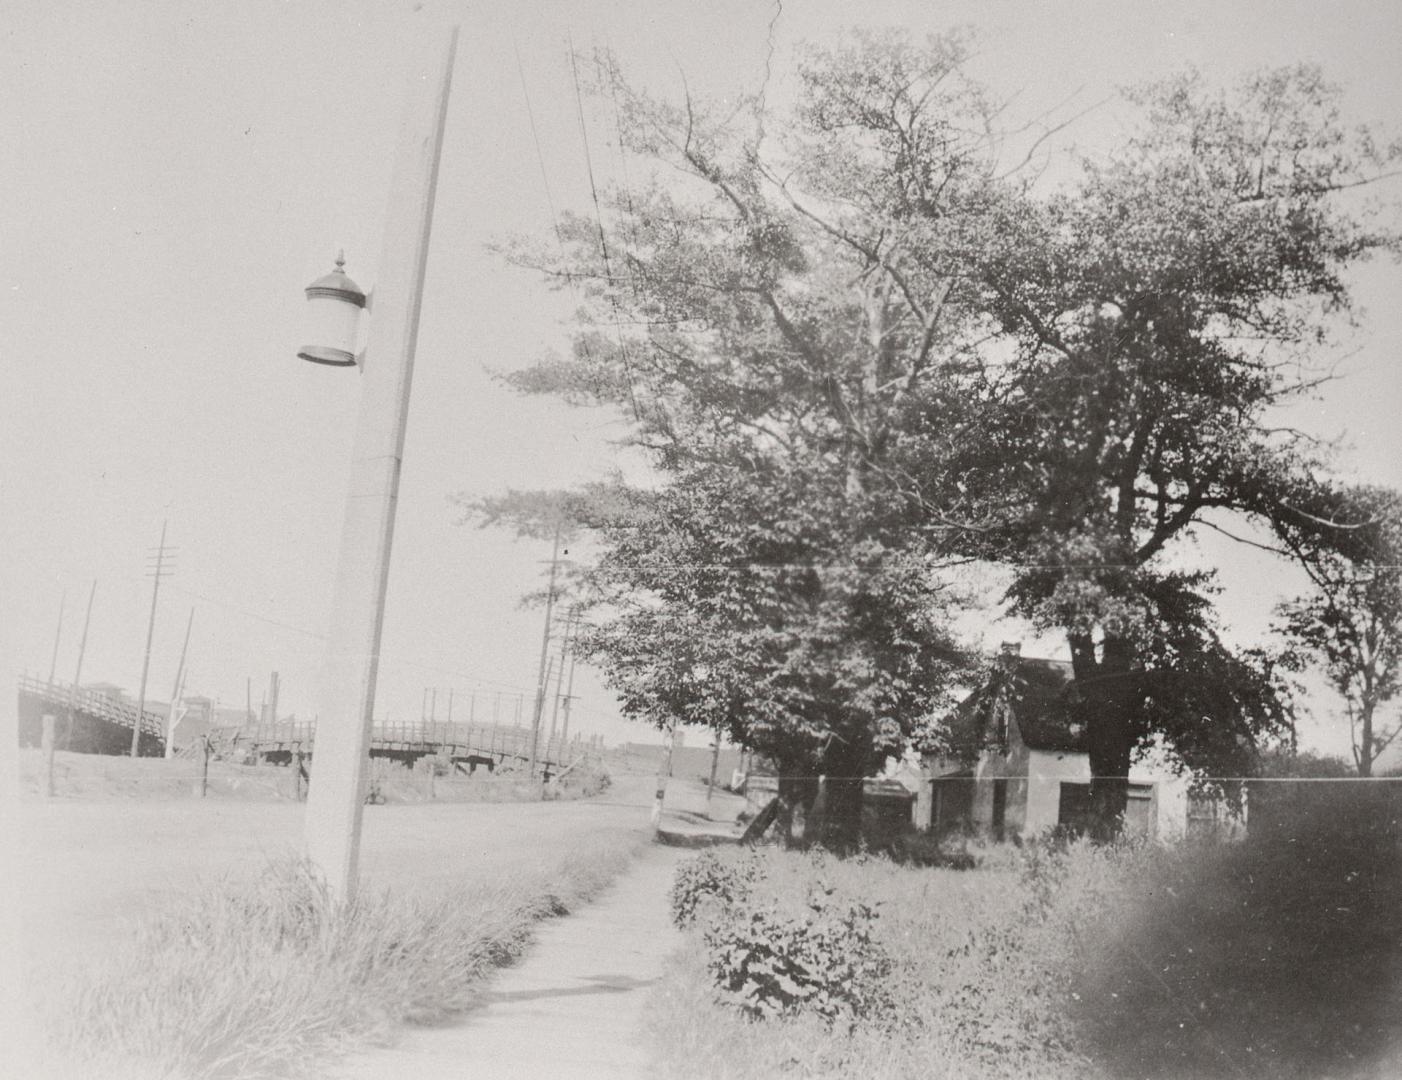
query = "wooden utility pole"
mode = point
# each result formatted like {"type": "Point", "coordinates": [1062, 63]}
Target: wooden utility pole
{"type": "Point", "coordinates": [53, 663]}
{"type": "Point", "coordinates": [159, 571]}
{"type": "Point", "coordinates": [559, 682]}
{"type": "Point", "coordinates": [542, 676]}
{"type": "Point", "coordinates": [535, 732]}
{"type": "Point", "coordinates": [175, 690]}
{"type": "Point", "coordinates": [569, 696]}
{"type": "Point", "coordinates": [336, 801]}
{"type": "Point", "coordinates": [78, 671]}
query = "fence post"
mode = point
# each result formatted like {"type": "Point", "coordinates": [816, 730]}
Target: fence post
{"type": "Point", "coordinates": [47, 742]}
{"type": "Point", "coordinates": [202, 788]}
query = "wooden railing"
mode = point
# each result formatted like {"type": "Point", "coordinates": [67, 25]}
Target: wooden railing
{"type": "Point", "coordinates": [113, 710]}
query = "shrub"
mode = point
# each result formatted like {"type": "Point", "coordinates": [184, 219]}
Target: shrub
{"type": "Point", "coordinates": [709, 877]}
{"type": "Point", "coordinates": [826, 962]}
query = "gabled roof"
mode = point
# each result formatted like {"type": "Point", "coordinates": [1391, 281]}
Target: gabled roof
{"type": "Point", "coordinates": [1036, 695]}
{"type": "Point", "coordinates": [1039, 696]}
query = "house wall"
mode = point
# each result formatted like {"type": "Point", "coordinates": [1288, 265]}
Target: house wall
{"type": "Point", "coordinates": [1046, 771]}
{"type": "Point", "coordinates": [1011, 767]}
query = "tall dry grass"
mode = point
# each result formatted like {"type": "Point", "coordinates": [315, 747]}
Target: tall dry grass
{"type": "Point", "coordinates": [270, 978]}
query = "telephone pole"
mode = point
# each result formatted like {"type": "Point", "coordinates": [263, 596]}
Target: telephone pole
{"type": "Point", "coordinates": [78, 671]}
{"type": "Point", "coordinates": [171, 719]}
{"type": "Point", "coordinates": [58, 634]}
{"type": "Point", "coordinates": [542, 677]}
{"type": "Point", "coordinates": [560, 679]}
{"type": "Point", "coordinates": [336, 798]}
{"type": "Point", "coordinates": [155, 571]}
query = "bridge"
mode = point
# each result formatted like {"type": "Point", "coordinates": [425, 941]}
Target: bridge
{"type": "Point", "coordinates": [87, 721]}
{"type": "Point", "coordinates": [94, 723]}
{"type": "Point", "coordinates": [464, 746]}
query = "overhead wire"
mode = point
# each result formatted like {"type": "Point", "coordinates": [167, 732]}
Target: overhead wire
{"type": "Point", "coordinates": [603, 237]}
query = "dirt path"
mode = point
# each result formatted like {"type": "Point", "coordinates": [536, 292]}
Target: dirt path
{"type": "Point", "coordinates": [571, 1010]}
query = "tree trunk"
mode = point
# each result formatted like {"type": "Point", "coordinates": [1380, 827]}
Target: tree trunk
{"type": "Point", "coordinates": [796, 795]}
{"type": "Point", "coordinates": [845, 763]}
{"type": "Point", "coordinates": [1364, 749]}
{"type": "Point", "coordinates": [1106, 700]}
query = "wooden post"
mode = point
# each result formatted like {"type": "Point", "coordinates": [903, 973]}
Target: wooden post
{"type": "Point", "coordinates": [336, 805]}
{"type": "Point", "coordinates": [202, 784]}
{"type": "Point", "coordinates": [47, 742]}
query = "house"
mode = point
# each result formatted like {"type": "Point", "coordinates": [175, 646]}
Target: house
{"type": "Point", "coordinates": [1027, 769]}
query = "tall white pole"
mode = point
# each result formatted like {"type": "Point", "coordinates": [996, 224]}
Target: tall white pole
{"type": "Point", "coordinates": [336, 798]}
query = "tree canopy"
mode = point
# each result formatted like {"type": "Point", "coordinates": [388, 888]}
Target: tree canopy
{"type": "Point", "coordinates": [872, 339]}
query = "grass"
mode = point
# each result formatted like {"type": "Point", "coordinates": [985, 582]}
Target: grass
{"type": "Point", "coordinates": [1277, 957]}
{"type": "Point", "coordinates": [270, 978]}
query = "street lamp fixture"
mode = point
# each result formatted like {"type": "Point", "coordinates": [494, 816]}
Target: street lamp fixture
{"type": "Point", "coordinates": [336, 302]}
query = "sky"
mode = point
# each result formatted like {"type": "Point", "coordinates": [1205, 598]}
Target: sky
{"type": "Point", "coordinates": [174, 175]}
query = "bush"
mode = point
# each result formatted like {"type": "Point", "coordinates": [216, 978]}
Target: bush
{"type": "Point", "coordinates": [709, 878]}
{"type": "Point", "coordinates": [826, 963]}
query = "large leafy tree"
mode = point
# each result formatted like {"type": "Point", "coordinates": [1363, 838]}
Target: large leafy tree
{"type": "Point", "coordinates": [737, 605]}
{"type": "Point", "coordinates": [779, 316]}
{"type": "Point", "coordinates": [1161, 307]}
{"type": "Point", "coordinates": [879, 305]}
{"type": "Point", "coordinates": [1351, 622]}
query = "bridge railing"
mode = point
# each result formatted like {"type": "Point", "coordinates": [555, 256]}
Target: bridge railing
{"type": "Point", "coordinates": [113, 710]}
{"type": "Point", "coordinates": [495, 740]}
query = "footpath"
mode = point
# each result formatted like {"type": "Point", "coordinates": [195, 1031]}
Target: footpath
{"type": "Point", "coordinates": [571, 1009]}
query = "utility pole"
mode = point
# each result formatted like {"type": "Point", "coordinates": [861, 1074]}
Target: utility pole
{"type": "Point", "coordinates": [156, 573]}
{"type": "Point", "coordinates": [559, 680]}
{"type": "Point", "coordinates": [569, 696]}
{"type": "Point", "coordinates": [542, 676]}
{"type": "Point", "coordinates": [78, 671]}
{"type": "Point", "coordinates": [175, 690]}
{"type": "Point", "coordinates": [336, 799]}
{"type": "Point", "coordinates": [53, 663]}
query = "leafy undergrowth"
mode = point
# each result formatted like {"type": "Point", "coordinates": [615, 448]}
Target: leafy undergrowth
{"type": "Point", "coordinates": [1280, 956]}
{"type": "Point", "coordinates": [934, 972]}
{"type": "Point", "coordinates": [271, 978]}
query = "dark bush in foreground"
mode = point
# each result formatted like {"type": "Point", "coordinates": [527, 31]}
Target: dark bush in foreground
{"type": "Point", "coordinates": [825, 962]}
{"type": "Point", "coordinates": [1277, 957]}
